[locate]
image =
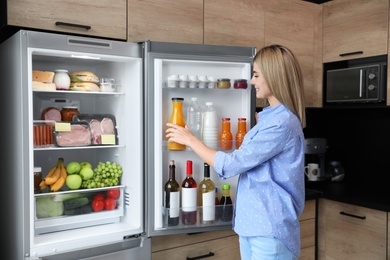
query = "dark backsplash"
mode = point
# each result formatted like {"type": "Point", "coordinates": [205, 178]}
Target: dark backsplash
{"type": "Point", "coordinates": [358, 137]}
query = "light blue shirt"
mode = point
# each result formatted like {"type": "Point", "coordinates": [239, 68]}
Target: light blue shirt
{"type": "Point", "coordinates": [270, 192]}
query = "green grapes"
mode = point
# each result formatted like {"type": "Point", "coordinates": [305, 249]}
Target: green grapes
{"type": "Point", "coordinates": [105, 175]}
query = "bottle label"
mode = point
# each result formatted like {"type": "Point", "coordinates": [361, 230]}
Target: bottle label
{"type": "Point", "coordinates": [208, 202]}
{"type": "Point", "coordinates": [188, 200]}
{"type": "Point", "coordinates": [174, 202]}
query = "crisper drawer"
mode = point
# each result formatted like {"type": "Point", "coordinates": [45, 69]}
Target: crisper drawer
{"type": "Point", "coordinates": [59, 211]}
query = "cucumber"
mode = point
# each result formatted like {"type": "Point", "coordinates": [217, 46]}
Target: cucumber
{"type": "Point", "coordinates": [67, 196]}
{"type": "Point", "coordinates": [75, 203]}
{"type": "Point", "coordinates": [77, 211]}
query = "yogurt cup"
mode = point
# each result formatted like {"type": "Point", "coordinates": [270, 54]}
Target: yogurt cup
{"type": "Point", "coordinates": [173, 81]}
{"type": "Point", "coordinates": [184, 80]}
{"type": "Point", "coordinates": [203, 82]}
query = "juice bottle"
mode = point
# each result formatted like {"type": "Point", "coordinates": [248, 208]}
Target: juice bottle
{"type": "Point", "coordinates": [226, 137]}
{"type": "Point", "coordinates": [241, 131]}
{"type": "Point", "coordinates": [177, 118]}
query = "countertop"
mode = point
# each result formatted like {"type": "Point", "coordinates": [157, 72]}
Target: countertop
{"type": "Point", "coordinates": [360, 194]}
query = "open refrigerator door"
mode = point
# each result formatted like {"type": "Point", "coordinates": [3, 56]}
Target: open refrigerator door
{"type": "Point", "coordinates": [106, 135]}
{"type": "Point", "coordinates": [182, 62]}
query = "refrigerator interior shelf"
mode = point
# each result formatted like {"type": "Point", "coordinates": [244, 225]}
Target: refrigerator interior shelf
{"type": "Point", "coordinates": [71, 92]}
{"type": "Point", "coordinates": [76, 147]}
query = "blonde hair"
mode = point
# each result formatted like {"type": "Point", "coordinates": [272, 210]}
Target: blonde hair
{"type": "Point", "coordinates": [283, 75]}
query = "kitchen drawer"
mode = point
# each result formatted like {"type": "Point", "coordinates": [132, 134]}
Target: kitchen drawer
{"type": "Point", "coordinates": [213, 249]}
{"type": "Point", "coordinates": [307, 253]}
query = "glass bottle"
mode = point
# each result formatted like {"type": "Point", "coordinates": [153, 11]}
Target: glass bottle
{"type": "Point", "coordinates": [172, 196]}
{"type": "Point", "coordinates": [226, 137]}
{"type": "Point", "coordinates": [210, 126]}
{"type": "Point", "coordinates": [188, 197]}
{"type": "Point", "coordinates": [206, 197]}
{"type": "Point", "coordinates": [68, 112]}
{"type": "Point", "coordinates": [177, 118]}
{"type": "Point", "coordinates": [37, 179]}
{"type": "Point", "coordinates": [241, 131]}
{"type": "Point", "coordinates": [216, 205]}
{"type": "Point", "coordinates": [226, 204]}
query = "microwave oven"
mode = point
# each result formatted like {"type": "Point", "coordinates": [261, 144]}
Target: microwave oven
{"type": "Point", "coordinates": [361, 84]}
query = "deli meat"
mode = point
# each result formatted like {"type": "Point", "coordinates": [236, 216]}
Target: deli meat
{"type": "Point", "coordinates": [105, 126]}
{"type": "Point", "coordinates": [51, 113]}
{"type": "Point", "coordinates": [80, 135]}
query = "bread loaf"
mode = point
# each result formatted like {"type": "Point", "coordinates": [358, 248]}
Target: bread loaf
{"type": "Point", "coordinates": [37, 85]}
{"type": "Point", "coordinates": [42, 76]}
{"type": "Point", "coordinates": [83, 76]}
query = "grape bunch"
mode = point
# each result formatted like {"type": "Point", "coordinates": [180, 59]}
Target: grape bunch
{"type": "Point", "coordinates": [104, 175]}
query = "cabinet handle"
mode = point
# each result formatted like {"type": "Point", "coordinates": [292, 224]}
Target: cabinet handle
{"type": "Point", "coordinates": [351, 215]}
{"type": "Point", "coordinates": [86, 27]}
{"type": "Point", "coordinates": [201, 256]}
{"type": "Point", "coordinates": [350, 53]}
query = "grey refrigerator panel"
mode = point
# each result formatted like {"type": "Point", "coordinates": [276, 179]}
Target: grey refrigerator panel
{"type": "Point", "coordinates": [19, 55]}
{"type": "Point", "coordinates": [161, 60]}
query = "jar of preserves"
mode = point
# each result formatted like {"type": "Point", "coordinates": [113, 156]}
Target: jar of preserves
{"type": "Point", "coordinates": [68, 112]}
{"type": "Point", "coordinates": [240, 83]}
{"type": "Point", "coordinates": [223, 83]}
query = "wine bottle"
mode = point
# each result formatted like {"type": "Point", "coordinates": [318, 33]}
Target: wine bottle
{"type": "Point", "coordinates": [226, 204]}
{"type": "Point", "coordinates": [172, 196]}
{"type": "Point", "coordinates": [206, 197]}
{"type": "Point", "coordinates": [188, 199]}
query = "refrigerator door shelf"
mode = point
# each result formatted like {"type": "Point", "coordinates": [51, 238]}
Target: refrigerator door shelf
{"type": "Point", "coordinates": [67, 222]}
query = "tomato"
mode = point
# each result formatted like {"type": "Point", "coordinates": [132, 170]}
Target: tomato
{"type": "Point", "coordinates": [97, 205]}
{"type": "Point", "coordinates": [113, 193]}
{"type": "Point", "coordinates": [109, 204]}
{"type": "Point", "coordinates": [99, 196]}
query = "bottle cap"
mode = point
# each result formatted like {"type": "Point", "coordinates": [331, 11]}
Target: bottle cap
{"type": "Point", "coordinates": [226, 186]}
{"type": "Point", "coordinates": [171, 162]}
{"type": "Point", "coordinates": [194, 99]}
{"type": "Point", "coordinates": [209, 103]}
{"type": "Point", "coordinates": [241, 118]}
{"type": "Point", "coordinates": [37, 169]}
{"type": "Point", "coordinates": [206, 170]}
{"type": "Point", "coordinates": [189, 167]}
{"type": "Point", "coordinates": [226, 119]}
{"type": "Point", "coordinates": [177, 98]}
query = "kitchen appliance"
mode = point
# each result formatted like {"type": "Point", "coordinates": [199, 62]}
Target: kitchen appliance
{"type": "Point", "coordinates": [140, 105]}
{"type": "Point", "coordinates": [336, 171]}
{"type": "Point", "coordinates": [315, 149]}
{"type": "Point", "coordinates": [357, 84]}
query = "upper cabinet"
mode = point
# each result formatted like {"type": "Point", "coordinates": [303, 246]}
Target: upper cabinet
{"type": "Point", "coordinates": [232, 22]}
{"type": "Point", "coordinates": [104, 18]}
{"type": "Point", "coordinates": [167, 21]}
{"type": "Point", "coordinates": [354, 29]}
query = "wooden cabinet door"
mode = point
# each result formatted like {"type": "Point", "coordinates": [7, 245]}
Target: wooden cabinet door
{"type": "Point", "coordinates": [234, 23]}
{"type": "Point", "coordinates": [351, 232]}
{"type": "Point", "coordinates": [297, 25]}
{"type": "Point", "coordinates": [354, 29]}
{"type": "Point", "coordinates": [167, 21]}
{"type": "Point", "coordinates": [103, 18]}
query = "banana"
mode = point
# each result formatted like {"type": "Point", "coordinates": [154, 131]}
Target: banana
{"type": "Point", "coordinates": [61, 180]}
{"type": "Point", "coordinates": [42, 185]}
{"type": "Point", "coordinates": [52, 177]}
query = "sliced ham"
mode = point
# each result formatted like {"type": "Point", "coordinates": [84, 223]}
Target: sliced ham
{"type": "Point", "coordinates": [51, 113]}
{"type": "Point", "coordinates": [96, 131]}
{"type": "Point", "coordinates": [107, 126]}
{"type": "Point", "coordinates": [79, 135]}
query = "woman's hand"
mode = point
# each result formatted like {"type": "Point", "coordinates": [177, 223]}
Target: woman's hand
{"type": "Point", "coordinates": [179, 134]}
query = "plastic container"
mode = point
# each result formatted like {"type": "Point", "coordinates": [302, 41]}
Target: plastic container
{"type": "Point", "coordinates": [203, 82]}
{"type": "Point", "coordinates": [212, 82]}
{"type": "Point", "coordinates": [184, 81]}
{"type": "Point", "coordinates": [194, 117]}
{"type": "Point", "coordinates": [223, 83]}
{"type": "Point", "coordinates": [210, 127]}
{"type": "Point", "coordinates": [173, 81]}
{"type": "Point", "coordinates": [107, 85]}
{"type": "Point", "coordinates": [193, 83]}
{"type": "Point", "coordinates": [240, 83]}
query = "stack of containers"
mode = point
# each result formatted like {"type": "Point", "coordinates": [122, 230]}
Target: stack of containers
{"type": "Point", "coordinates": [210, 126]}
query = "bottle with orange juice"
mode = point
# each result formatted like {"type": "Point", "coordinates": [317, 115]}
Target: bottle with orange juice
{"type": "Point", "coordinates": [177, 117]}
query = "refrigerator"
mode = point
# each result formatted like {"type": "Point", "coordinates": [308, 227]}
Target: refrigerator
{"type": "Point", "coordinates": [140, 106]}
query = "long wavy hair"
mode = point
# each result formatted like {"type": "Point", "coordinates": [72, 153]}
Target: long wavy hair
{"type": "Point", "coordinates": [282, 72]}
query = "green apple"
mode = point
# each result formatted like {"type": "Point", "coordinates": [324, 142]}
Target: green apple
{"type": "Point", "coordinates": [86, 173]}
{"type": "Point", "coordinates": [73, 181]}
{"type": "Point", "coordinates": [73, 167]}
{"type": "Point", "coordinates": [86, 164]}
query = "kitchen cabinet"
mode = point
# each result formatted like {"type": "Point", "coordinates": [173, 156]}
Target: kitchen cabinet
{"type": "Point", "coordinates": [105, 18]}
{"type": "Point", "coordinates": [354, 29]}
{"type": "Point", "coordinates": [224, 244]}
{"type": "Point", "coordinates": [167, 21]}
{"type": "Point", "coordinates": [348, 231]}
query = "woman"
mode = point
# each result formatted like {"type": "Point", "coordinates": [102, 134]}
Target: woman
{"type": "Point", "coordinates": [270, 161]}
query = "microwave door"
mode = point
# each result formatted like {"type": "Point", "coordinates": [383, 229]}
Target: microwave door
{"type": "Point", "coordinates": [345, 85]}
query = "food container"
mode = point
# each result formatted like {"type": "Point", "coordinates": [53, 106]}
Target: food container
{"type": "Point", "coordinates": [193, 82]}
{"type": "Point", "coordinates": [103, 128]}
{"type": "Point", "coordinates": [43, 133]}
{"type": "Point", "coordinates": [61, 79]}
{"type": "Point", "coordinates": [173, 81]}
{"type": "Point", "coordinates": [107, 85]}
{"type": "Point", "coordinates": [68, 112]}
{"type": "Point", "coordinates": [223, 83]}
{"type": "Point", "coordinates": [203, 81]}
{"type": "Point", "coordinates": [37, 179]}
{"type": "Point", "coordinates": [72, 134]}
{"type": "Point", "coordinates": [184, 81]}
{"type": "Point", "coordinates": [212, 82]}
{"type": "Point", "coordinates": [240, 83]}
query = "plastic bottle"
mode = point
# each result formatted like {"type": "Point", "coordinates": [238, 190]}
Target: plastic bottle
{"type": "Point", "coordinates": [226, 137]}
{"type": "Point", "coordinates": [188, 199]}
{"type": "Point", "coordinates": [177, 117]}
{"type": "Point", "coordinates": [210, 127]}
{"type": "Point", "coordinates": [194, 117]}
{"type": "Point", "coordinates": [206, 197]}
{"type": "Point", "coordinates": [241, 131]}
{"type": "Point", "coordinates": [172, 196]}
{"type": "Point", "coordinates": [226, 203]}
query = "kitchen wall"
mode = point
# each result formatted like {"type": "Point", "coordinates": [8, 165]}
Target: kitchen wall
{"type": "Point", "coordinates": [358, 137]}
